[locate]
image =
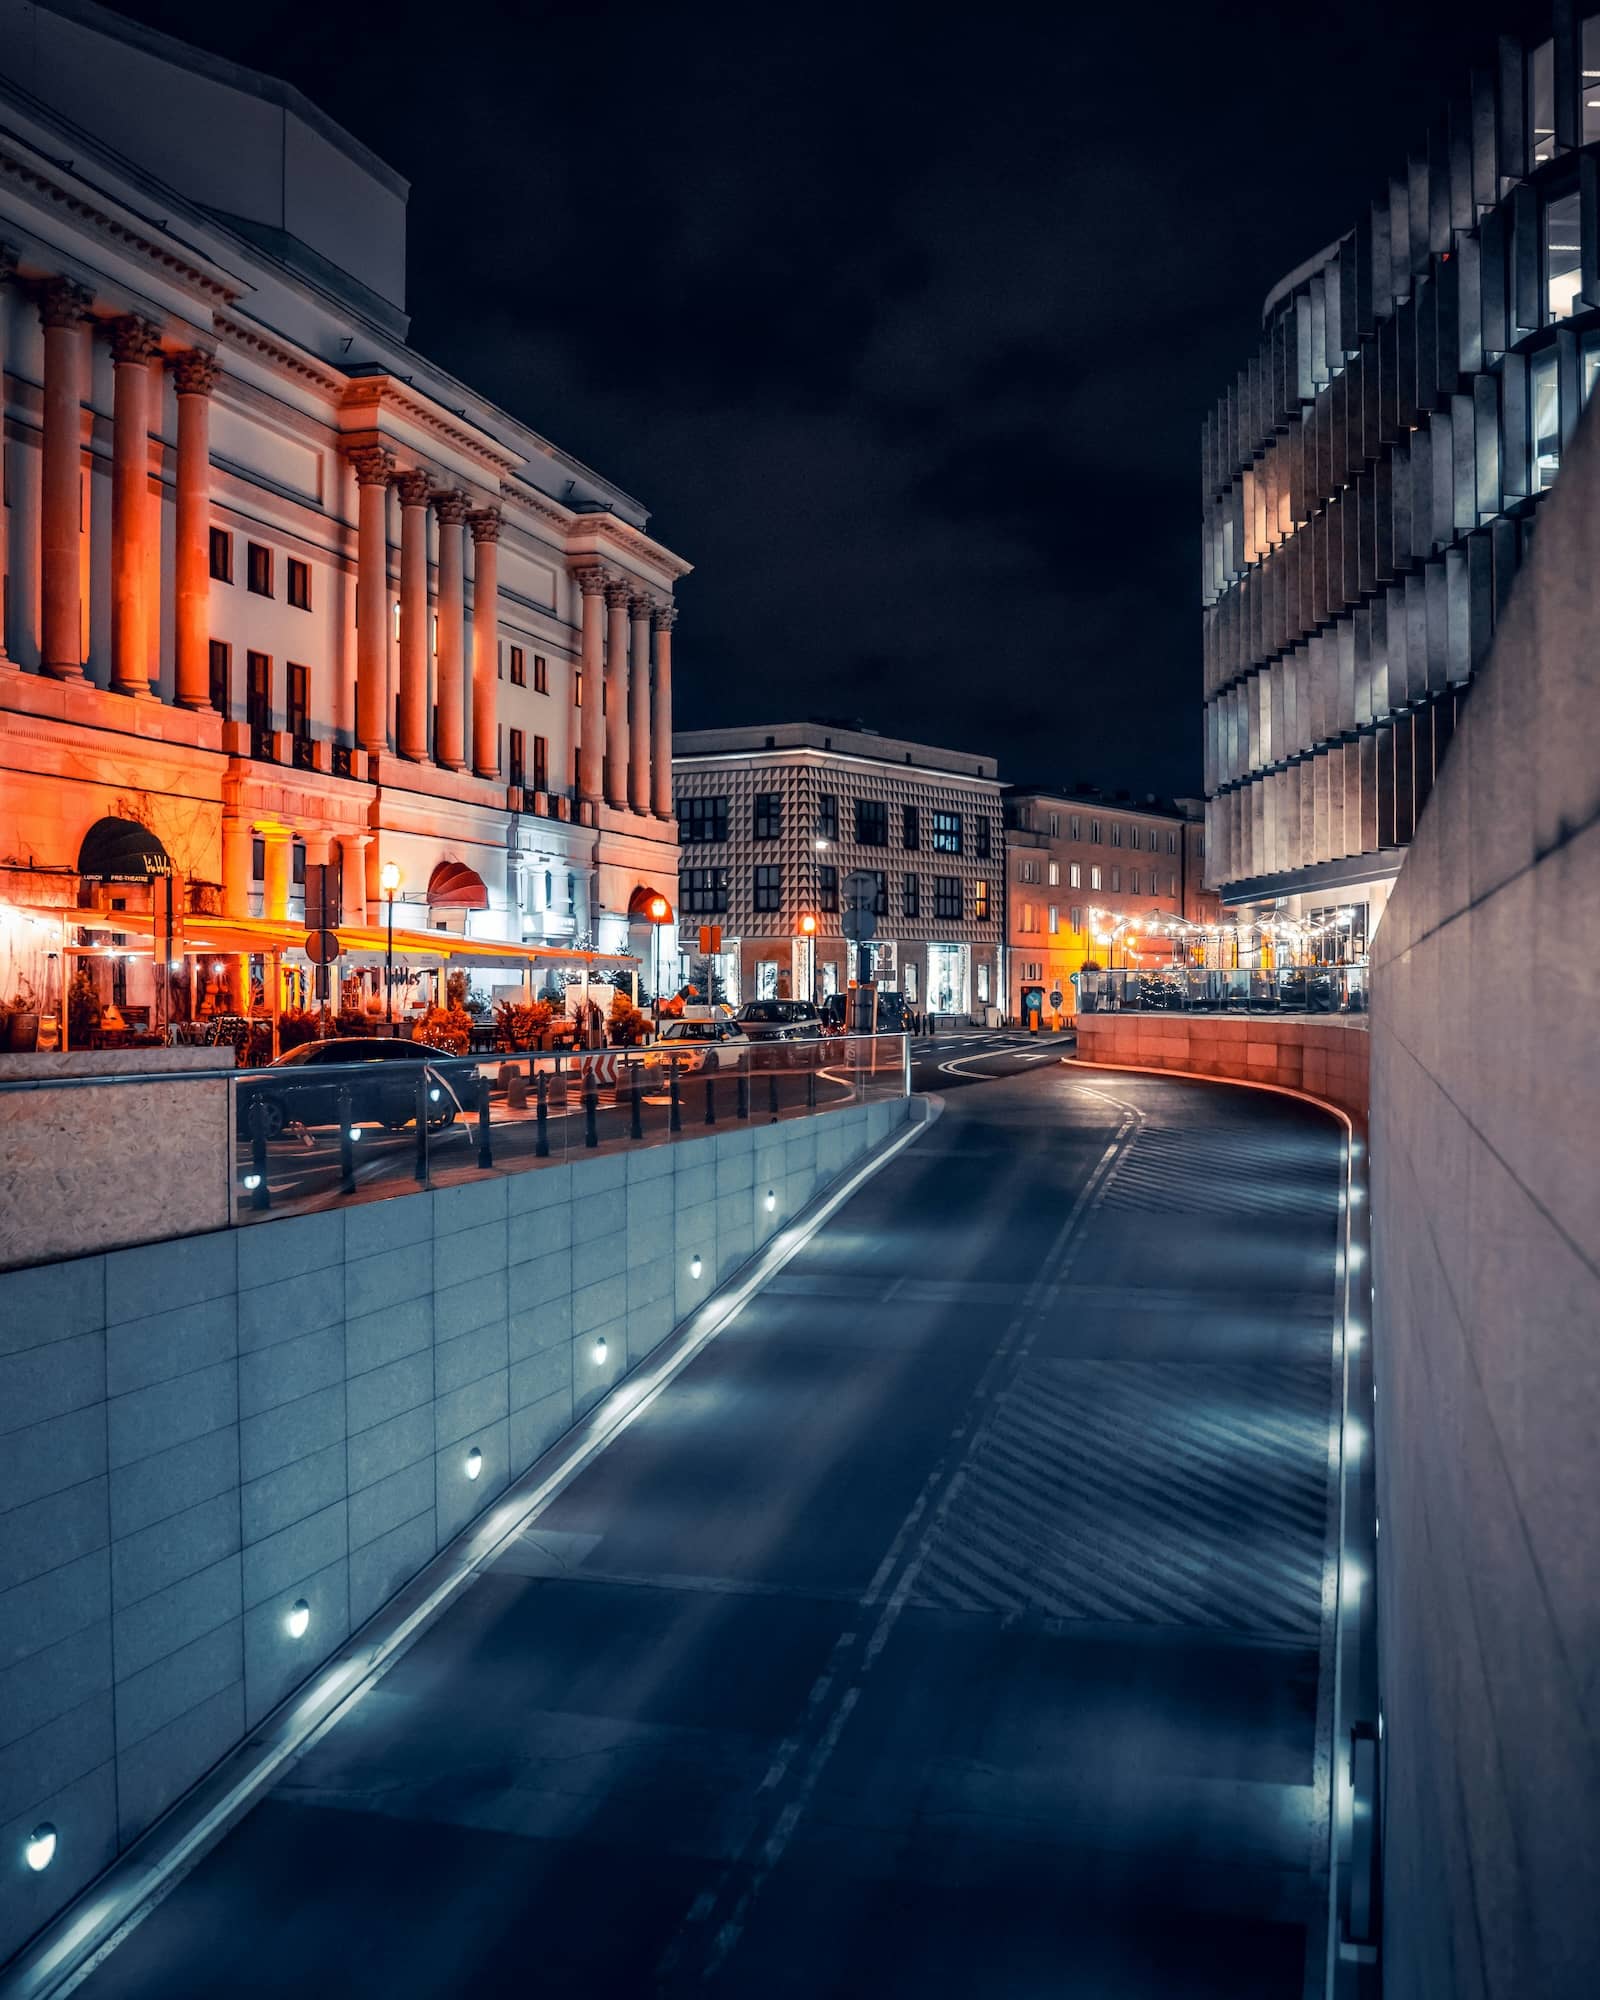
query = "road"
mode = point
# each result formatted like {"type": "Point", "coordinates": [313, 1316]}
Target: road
{"type": "Point", "coordinates": [952, 1624]}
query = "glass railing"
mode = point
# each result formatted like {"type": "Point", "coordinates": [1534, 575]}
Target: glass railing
{"type": "Point", "coordinates": [310, 1135]}
{"type": "Point", "coordinates": [1286, 989]}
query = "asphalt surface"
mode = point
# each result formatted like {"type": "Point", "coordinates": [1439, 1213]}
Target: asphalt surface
{"type": "Point", "coordinates": [952, 1624]}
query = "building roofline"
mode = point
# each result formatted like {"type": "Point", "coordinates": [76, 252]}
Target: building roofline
{"type": "Point", "coordinates": [759, 751]}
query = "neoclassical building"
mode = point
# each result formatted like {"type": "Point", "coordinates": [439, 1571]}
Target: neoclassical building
{"type": "Point", "coordinates": [1372, 475]}
{"type": "Point", "coordinates": [285, 605]}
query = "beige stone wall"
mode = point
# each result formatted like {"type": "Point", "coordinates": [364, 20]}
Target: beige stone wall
{"type": "Point", "coordinates": [88, 1166]}
{"type": "Point", "coordinates": [1326, 1058]}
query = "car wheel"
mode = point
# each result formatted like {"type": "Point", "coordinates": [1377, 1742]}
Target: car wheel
{"type": "Point", "coordinates": [267, 1113]}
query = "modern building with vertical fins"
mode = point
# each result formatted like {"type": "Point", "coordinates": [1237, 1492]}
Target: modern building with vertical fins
{"type": "Point", "coordinates": [280, 595]}
{"type": "Point", "coordinates": [1372, 476]}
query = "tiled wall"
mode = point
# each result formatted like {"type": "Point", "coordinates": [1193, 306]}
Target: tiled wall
{"type": "Point", "coordinates": [194, 1435]}
{"type": "Point", "coordinates": [1324, 1058]}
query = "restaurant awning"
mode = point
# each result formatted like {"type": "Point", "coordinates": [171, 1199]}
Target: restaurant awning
{"type": "Point", "coordinates": [358, 943]}
{"type": "Point", "coordinates": [455, 886]}
{"type": "Point", "coordinates": [121, 850]}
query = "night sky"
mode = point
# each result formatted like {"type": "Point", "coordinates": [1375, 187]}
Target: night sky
{"type": "Point", "coordinates": [902, 324]}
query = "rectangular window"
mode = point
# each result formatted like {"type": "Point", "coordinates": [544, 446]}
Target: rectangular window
{"type": "Point", "coordinates": [1055, 874]}
{"type": "Point", "coordinates": [872, 823]}
{"type": "Point", "coordinates": [221, 677]}
{"type": "Point", "coordinates": [910, 829]}
{"type": "Point", "coordinates": [702, 821]}
{"type": "Point", "coordinates": [827, 888]}
{"type": "Point", "coordinates": [980, 902]}
{"type": "Point", "coordinates": [946, 833]}
{"type": "Point", "coordinates": [222, 555]}
{"type": "Point", "coordinates": [1116, 881]}
{"type": "Point", "coordinates": [1077, 917]}
{"type": "Point", "coordinates": [541, 674]}
{"type": "Point", "coordinates": [299, 710]}
{"type": "Point", "coordinates": [541, 763]}
{"type": "Point", "coordinates": [1174, 889]}
{"type": "Point", "coordinates": [1545, 397]}
{"type": "Point", "coordinates": [980, 837]}
{"type": "Point", "coordinates": [258, 859]}
{"type": "Point", "coordinates": [827, 816]}
{"type": "Point", "coordinates": [1094, 833]}
{"type": "Point", "coordinates": [1027, 871]}
{"type": "Point", "coordinates": [947, 895]}
{"type": "Point", "coordinates": [1116, 833]}
{"type": "Point", "coordinates": [911, 896]}
{"type": "Point", "coordinates": [258, 691]}
{"type": "Point", "coordinates": [983, 985]}
{"type": "Point", "coordinates": [705, 892]}
{"type": "Point", "coordinates": [519, 667]}
{"type": "Point", "coordinates": [1172, 843]}
{"type": "Point", "coordinates": [767, 817]}
{"type": "Point", "coordinates": [517, 768]}
{"type": "Point", "coordinates": [1074, 828]}
{"type": "Point", "coordinates": [258, 569]}
{"type": "Point", "coordinates": [1133, 836]}
{"type": "Point", "coordinates": [1029, 920]}
{"type": "Point", "coordinates": [1055, 825]}
{"type": "Point", "coordinates": [1074, 874]}
{"type": "Point", "coordinates": [880, 890]}
{"type": "Point", "coordinates": [1094, 877]}
{"type": "Point", "coordinates": [1133, 881]}
{"type": "Point", "coordinates": [767, 887]}
{"type": "Point", "coordinates": [1055, 920]}
{"type": "Point", "coordinates": [299, 584]}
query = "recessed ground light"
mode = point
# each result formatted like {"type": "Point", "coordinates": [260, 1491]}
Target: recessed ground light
{"type": "Point", "coordinates": [600, 1348]}
{"type": "Point", "coordinates": [252, 1182]}
{"type": "Point", "coordinates": [474, 1462]}
{"type": "Point", "coordinates": [694, 1267]}
{"type": "Point", "coordinates": [298, 1619]}
{"type": "Point", "coordinates": [39, 1850]}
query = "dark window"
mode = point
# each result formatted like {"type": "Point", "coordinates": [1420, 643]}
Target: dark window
{"type": "Point", "coordinates": [258, 703]}
{"type": "Point", "coordinates": [1116, 880]}
{"type": "Point", "coordinates": [1094, 833]}
{"type": "Point", "coordinates": [827, 816]}
{"type": "Point", "coordinates": [1116, 833]}
{"type": "Point", "coordinates": [541, 674]}
{"type": "Point", "coordinates": [519, 667]}
{"type": "Point", "coordinates": [222, 555]}
{"type": "Point", "coordinates": [980, 836]}
{"type": "Point", "coordinates": [1133, 882]}
{"type": "Point", "coordinates": [297, 863]}
{"type": "Point", "coordinates": [514, 775]}
{"type": "Point", "coordinates": [299, 584]}
{"type": "Point", "coordinates": [880, 891]}
{"type": "Point", "coordinates": [258, 569]}
{"type": "Point", "coordinates": [702, 821]}
{"type": "Point", "coordinates": [946, 833]}
{"type": "Point", "coordinates": [911, 896]}
{"type": "Point", "coordinates": [1133, 836]}
{"type": "Point", "coordinates": [947, 896]}
{"type": "Point", "coordinates": [872, 823]}
{"type": "Point", "coordinates": [299, 714]}
{"type": "Point", "coordinates": [541, 763]}
{"type": "Point", "coordinates": [704, 891]}
{"type": "Point", "coordinates": [258, 859]}
{"type": "Point", "coordinates": [1172, 843]}
{"type": "Point", "coordinates": [221, 676]}
{"type": "Point", "coordinates": [767, 816]}
{"type": "Point", "coordinates": [827, 887]}
{"type": "Point", "coordinates": [768, 887]}
{"type": "Point", "coordinates": [910, 828]}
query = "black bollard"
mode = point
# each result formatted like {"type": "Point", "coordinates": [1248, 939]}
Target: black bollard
{"type": "Point", "coordinates": [811, 1085]}
{"type": "Point", "coordinates": [675, 1109]}
{"type": "Point", "coordinates": [711, 1099]}
{"type": "Point", "coordinates": [636, 1094]}
{"type": "Point", "coordinates": [744, 1086]}
{"type": "Point", "coordinates": [591, 1104]}
{"type": "Point", "coordinates": [541, 1116]}
{"type": "Point", "coordinates": [485, 1151]}
{"type": "Point", "coordinates": [260, 1194]}
{"type": "Point", "coordinates": [347, 1144]}
{"type": "Point", "coordinates": [420, 1170]}
{"type": "Point", "coordinates": [772, 1095]}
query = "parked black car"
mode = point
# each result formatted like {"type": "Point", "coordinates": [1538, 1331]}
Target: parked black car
{"type": "Point", "coordinates": [780, 1020]}
{"type": "Point", "coordinates": [380, 1072]}
{"type": "Point", "coordinates": [837, 1009]}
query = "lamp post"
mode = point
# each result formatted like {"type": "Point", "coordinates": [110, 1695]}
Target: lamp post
{"type": "Point", "coordinates": [388, 882]}
{"type": "Point", "coordinates": [660, 910]}
{"type": "Point", "coordinates": [808, 932]}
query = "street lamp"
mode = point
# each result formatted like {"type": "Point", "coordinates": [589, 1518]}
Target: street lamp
{"type": "Point", "coordinates": [660, 910]}
{"type": "Point", "coordinates": [808, 930]}
{"type": "Point", "coordinates": [388, 882]}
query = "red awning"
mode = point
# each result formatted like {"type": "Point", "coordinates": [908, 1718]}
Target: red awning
{"type": "Point", "coordinates": [455, 886]}
{"type": "Point", "coordinates": [639, 905]}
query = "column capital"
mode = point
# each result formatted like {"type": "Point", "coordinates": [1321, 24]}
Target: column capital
{"type": "Point", "coordinates": [452, 505]}
{"type": "Point", "coordinates": [272, 831]}
{"type": "Point", "coordinates": [591, 577]}
{"type": "Point", "coordinates": [195, 373]}
{"type": "Point", "coordinates": [618, 593]}
{"type": "Point", "coordinates": [641, 603]}
{"type": "Point", "coordinates": [665, 616]}
{"type": "Point", "coordinates": [346, 839]}
{"type": "Point", "coordinates": [63, 302]}
{"type": "Point", "coordinates": [374, 463]}
{"type": "Point", "coordinates": [415, 488]}
{"type": "Point", "coordinates": [134, 340]}
{"type": "Point", "coordinates": [8, 261]}
{"type": "Point", "coordinates": [485, 523]}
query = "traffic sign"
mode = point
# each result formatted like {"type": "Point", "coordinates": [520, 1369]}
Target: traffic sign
{"type": "Point", "coordinates": [322, 947]}
{"type": "Point", "coordinates": [1055, 996]}
{"type": "Point", "coordinates": [858, 925]}
{"type": "Point", "coordinates": [710, 940]}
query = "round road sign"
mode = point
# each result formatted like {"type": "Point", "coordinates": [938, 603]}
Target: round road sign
{"type": "Point", "coordinates": [322, 947]}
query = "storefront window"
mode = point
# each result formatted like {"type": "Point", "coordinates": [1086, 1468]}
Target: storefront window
{"type": "Point", "coordinates": [1562, 276]}
{"type": "Point", "coordinates": [948, 989]}
{"type": "Point", "coordinates": [766, 979]}
{"type": "Point", "coordinates": [1546, 399]}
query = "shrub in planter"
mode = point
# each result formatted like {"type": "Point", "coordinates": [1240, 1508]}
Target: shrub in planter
{"type": "Point", "coordinates": [297, 1026]}
{"type": "Point", "coordinates": [628, 1024]}
{"type": "Point", "coordinates": [446, 1028]}
{"type": "Point", "coordinates": [524, 1026]}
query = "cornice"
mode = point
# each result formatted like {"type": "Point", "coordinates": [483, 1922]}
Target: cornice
{"type": "Point", "coordinates": [363, 397]}
{"type": "Point", "coordinates": [97, 212]}
{"type": "Point", "coordinates": [256, 340]}
{"type": "Point", "coordinates": [586, 529]}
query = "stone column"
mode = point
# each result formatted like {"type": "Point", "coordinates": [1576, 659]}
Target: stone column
{"type": "Point", "coordinates": [62, 306]}
{"type": "Point", "coordinates": [275, 874]}
{"type": "Point", "coordinates": [353, 876]}
{"type": "Point", "coordinates": [415, 495]}
{"type": "Point", "coordinates": [587, 718]}
{"type": "Point", "coordinates": [374, 467]}
{"type": "Point", "coordinates": [194, 377]}
{"type": "Point", "coordinates": [485, 525]}
{"type": "Point", "coordinates": [666, 616]}
{"type": "Point", "coordinates": [134, 346]}
{"type": "Point", "coordinates": [616, 702]}
{"type": "Point", "coordinates": [639, 707]}
{"type": "Point", "coordinates": [236, 844]}
{"type": "Point", "coordinates": [8, 265]}
{"type": "Point", "coordinates": [450, 740]}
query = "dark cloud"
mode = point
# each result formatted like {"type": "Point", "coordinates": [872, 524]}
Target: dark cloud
{"type": "Point", "coordinates": [902, 322]}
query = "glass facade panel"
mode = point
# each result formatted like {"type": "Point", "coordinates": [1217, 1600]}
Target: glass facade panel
{"type": "Point", "coordinates": [1545, 396]}
{"type": "Point", "coordinates": [1541, 105]}
{"type": "Point", "coordinates": [1591, 80]}
{"type": "Point", "coordinates": [1562, 275]}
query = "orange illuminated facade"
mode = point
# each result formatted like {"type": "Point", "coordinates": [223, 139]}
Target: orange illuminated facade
{"type": "Point", "coordinates": [280, 597]}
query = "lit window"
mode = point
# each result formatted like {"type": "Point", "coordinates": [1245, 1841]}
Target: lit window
{"type": "Point", "coordinates": [1055, 920]}
{"type": "Point", "coordinates": [1074, 877]}
{"type": "Point", "coordinates": [1562, 256]}
{"type": "Point", "coordinates": [1094, 878]}
{"type": "Point", "coordinates": [980, 902]}
{"type": "Point", "coordinates": [1544, 383]}
{"type": "Point", "coordinates": [946, 833]}
{"type": "Point", "coordinates": [1055, 874]}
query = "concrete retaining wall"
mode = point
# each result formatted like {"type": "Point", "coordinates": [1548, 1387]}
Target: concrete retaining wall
{"type": "Point", "coordinates": [1486, 1233]}
{"type": "Point", "coordinates": [194, 1435]}
{"type": "Point", "coordinates": [1325, 1056]}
